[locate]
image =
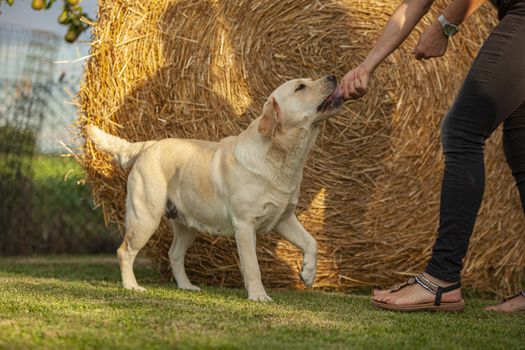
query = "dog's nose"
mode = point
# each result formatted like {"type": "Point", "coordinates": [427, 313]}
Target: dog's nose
{"type": "Point", "coordinates": [331, 78]}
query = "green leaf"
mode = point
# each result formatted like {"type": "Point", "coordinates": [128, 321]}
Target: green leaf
{"type": "Point", "coordinates": [49, 3]}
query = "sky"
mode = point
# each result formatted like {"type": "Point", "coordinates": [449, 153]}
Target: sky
{"type": "Point", "coordinates": [21, 14]}
{"type": "Point", "coordinates": [62, 114]}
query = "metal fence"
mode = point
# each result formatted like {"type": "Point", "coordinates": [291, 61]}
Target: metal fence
{"type": "Point", "coordinates": [44, 206]}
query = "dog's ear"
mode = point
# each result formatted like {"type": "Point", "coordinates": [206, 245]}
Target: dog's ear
{"type": "Point", "coordinates": [271, 118]}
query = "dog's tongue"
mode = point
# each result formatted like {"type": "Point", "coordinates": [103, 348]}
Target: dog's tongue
{"type": "Point", "coordinates": [337, 93]}
{"type": "Point", "coordinates": [332, 99]}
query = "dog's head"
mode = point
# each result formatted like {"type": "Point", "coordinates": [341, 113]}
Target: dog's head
{"type": "Point", "coordinates": [300, 103]}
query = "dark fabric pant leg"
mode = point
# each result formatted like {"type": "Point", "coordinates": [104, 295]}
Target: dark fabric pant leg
{"type": "Point", "coordinates": [514, 147]}
{"type": "Point", "coordinates": [493, 89]}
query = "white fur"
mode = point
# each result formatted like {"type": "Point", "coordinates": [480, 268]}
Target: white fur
{"type": "Point", "coordinates": [241, 186]}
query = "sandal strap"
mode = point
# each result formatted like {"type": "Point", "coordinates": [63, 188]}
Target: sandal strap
{"type": "Point", "coordinates": [514, 296]}
{"type": "Point", "coordinates": [434, 288]}
{"type": "Point", "coordinates": [399, 286]}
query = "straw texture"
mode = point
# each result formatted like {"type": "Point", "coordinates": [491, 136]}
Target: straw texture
{"type": "Point", "coordinates": [202, 69]}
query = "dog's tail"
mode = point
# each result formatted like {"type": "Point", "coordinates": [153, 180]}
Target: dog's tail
{"type": "Point", "coordinates": [123, 151]}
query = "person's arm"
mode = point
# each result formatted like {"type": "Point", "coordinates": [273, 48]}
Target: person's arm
{"type": "Point", "coordinates": [398, 27]}
{"type": "Point", "coordinates": [460, 10]}
{"type": "Point", "coordinates": [433, 42]}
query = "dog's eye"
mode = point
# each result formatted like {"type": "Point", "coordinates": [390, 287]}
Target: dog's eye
{"type": "Point", "coordinates": [300, 87]}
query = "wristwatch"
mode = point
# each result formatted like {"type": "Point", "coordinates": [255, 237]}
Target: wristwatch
{"type": "Point", "coordinates": [448, 28]}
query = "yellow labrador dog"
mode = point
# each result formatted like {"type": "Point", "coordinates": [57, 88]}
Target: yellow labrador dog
{"type": "Point", "coordinates": [241, 186]}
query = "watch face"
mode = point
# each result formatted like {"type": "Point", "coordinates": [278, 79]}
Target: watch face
{"type": "Point", "coordinates": [450, 29]}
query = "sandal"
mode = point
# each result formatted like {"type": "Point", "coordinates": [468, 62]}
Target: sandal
{"type": "Point", "coordinates": [522, 293]}
{"type": "Point", "coordinates": [433, 288]}
{"type": "Point", "coordinates": [514, 296]}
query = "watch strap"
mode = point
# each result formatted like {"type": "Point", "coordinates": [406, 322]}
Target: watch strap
{"type": "Point", "coordinates": [443, 21]}
{"type": "Point", "coordinates": [446, 25]}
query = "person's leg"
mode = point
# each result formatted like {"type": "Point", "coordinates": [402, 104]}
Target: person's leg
{"type": "Point", "coordinates": [514, 147]}
{"type": "Point", "coordinates": [493, 89]}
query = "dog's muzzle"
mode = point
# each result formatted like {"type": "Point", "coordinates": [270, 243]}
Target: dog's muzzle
{"type": "Point", "coordinates": [334, 99]}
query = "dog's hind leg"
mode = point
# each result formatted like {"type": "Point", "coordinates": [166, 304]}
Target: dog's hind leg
{"type": "Point", "coordinates": [292, 230]}
{"type": "Point", "coordinates": [183, 237]}
{"type": "Point", "coordinates": [144, 209]}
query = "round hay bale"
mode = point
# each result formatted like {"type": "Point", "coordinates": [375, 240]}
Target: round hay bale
{"type": "Point", "coordinates": [370, 196]}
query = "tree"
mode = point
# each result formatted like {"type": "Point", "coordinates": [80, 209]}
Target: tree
{"type": "Point", "coordinates": [72, 16]}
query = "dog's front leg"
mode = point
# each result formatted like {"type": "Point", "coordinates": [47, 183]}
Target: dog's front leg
{"type": "Point", "coordinates": [245, 239]}
{"type": "Point", "coordinates": [292, 230]}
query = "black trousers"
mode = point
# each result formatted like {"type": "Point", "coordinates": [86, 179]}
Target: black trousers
{"type": "Point", "coordinates": [493, 93]}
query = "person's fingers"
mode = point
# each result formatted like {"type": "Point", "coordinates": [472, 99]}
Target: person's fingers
{"type": "Point", "coordinates": [357, 84]}
{"type": "Point", "coordinates": [351, 90]}
{"type": "Point", "coordinates": [344, 89]}
{"type": "Point", "coordinates": [418, 55]}
{"type": "Point", "coordinates": [346, 94]}
{"type": "Point", "coordinates": [418, 51]}
{"type": "Point", "coordinates": [353, 85]}
{"type": "Point", "coordinates": [352, 95]}
{"type": "Point", "coordinates": [346, 85]}
{"type": "Point", "coordinates": [361, 90]}
{"type": "Point", "coordinates": [364, 80]}
{"type": "Point", "coordinates": [360, 87]}
{"type": "Point", "coordinates": [355, 94]}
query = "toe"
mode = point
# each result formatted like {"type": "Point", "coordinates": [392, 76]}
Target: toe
{"type": "Point", "coordinates": [386, 300]}
{"type": "Point", "coordinates": [135, 288]}
{"type": "Point", "coordinates": [378, 291]}
{"type": "Point", "coordinates": [190, 287]}
{"type": "Point", "coordinates": [308, 277]}
{"type": "Point", "coordinates": [260, 298]}
{"type": "Point", "coordinates": [380, 298]}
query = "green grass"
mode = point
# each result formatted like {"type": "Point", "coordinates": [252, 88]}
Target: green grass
{"type": "Point", "coordinates": [54, 214]}
{"type": "Point", "coordinates": [52, 166]}
{"type": "Point", "coordinates": [77, 302]}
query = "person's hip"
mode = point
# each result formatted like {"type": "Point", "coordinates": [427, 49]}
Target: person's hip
{"type": "Point", "coordinates": [506, 7]}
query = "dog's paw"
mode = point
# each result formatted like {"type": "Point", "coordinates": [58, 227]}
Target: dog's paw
{"type": "Point", "coordinates": [189, 287]}
{"type": "Point", "coordinates": [308, 277]}
{"type": "Point", "coordinates": [260, 297]}
{"type": "Point", "coordinates": [135, 288]}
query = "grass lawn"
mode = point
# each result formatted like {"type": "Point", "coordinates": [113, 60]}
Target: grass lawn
{"type": "Point", "coordinates": [50, 210]}
{"type": "Point", "coordinates": [77, 302]}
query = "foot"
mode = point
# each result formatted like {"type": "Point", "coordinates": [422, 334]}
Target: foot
{"type": "Point", "coordinates": [416, 294]}
{"type": "Point", "coordinates": [514, 304]}
{"type": "Point", "coordinates": [135, 287]}
{"type": "Point", "coordinates": [308, 276]}
{"type": "Point", "coordinates": [189, 287]}
{"type": "Point", "coordinates": [379, 292]}
{"type": "Point", "coordinates": [261, 296]}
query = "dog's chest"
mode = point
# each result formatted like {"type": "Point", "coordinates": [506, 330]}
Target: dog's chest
{"type": "Point", "coordinates": [220, 226]}
{"type": "Point", "coordinates": [274, 208]}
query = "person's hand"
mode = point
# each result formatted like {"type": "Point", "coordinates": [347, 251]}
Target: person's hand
{"type": "Point", "coordinates": [354, 84]}
{"type": "Point", "coordinates": [432, 43]}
